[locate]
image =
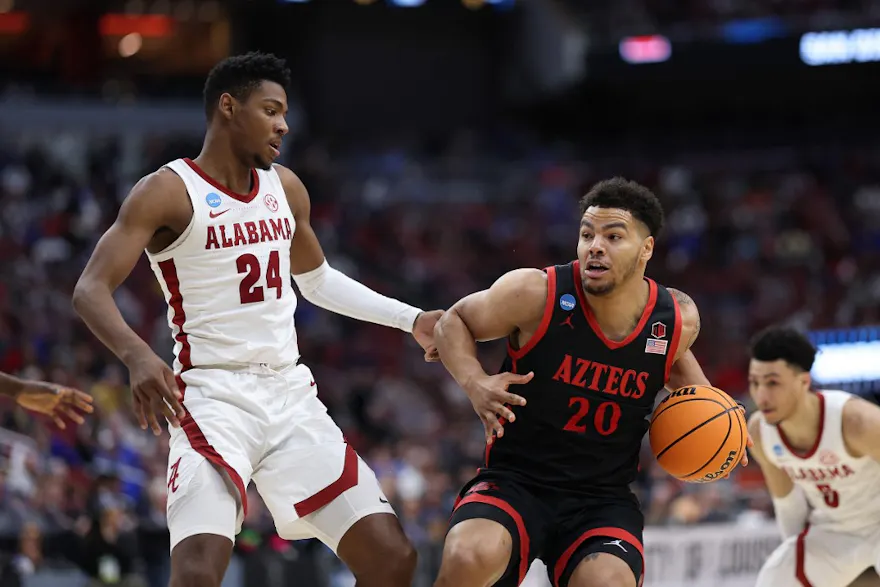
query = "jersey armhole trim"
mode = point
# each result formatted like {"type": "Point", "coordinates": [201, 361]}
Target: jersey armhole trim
{"type": "Point", "coordinates": [165, 253]}
{"type": "Point", "coordinates": [516, 354]}
{"type": "Point", "coordinates": [676, 339]}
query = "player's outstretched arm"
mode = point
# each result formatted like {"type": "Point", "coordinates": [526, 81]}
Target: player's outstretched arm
{"type": "Point", "coordinates": [861, 428]}
{"type": "Point", "coordinates": [789, 502]}
{"type": "Point", "coordinates": [332, 290]}
{"type": "Point", "coordinates": [147, 209]}
{"type": "Point", "coordinates": [52, 400]}
{"type": "Point", "coordinates": [514, 304]}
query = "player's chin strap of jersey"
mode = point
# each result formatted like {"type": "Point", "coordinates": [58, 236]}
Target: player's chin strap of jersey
{"type": "Point", "coordinates": [791, 512]}
{"type": "Point", "coordinates": [332, 290]}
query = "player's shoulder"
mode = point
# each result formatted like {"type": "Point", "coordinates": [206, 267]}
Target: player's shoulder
{"type": "Point", "coordinates": [156, 192]}
{"type": "Point", "coordinates": [526, 280]}
{"type": "Point", "coordinates": [294, 188]}
{"type": "Point", "coordinates": [684, 300]}
{"type": "Point", "coordinates": [162, 180]}
{"type": "Point", "coordinates": [857, 414]}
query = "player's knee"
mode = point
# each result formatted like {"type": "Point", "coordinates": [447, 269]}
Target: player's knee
{"type": "Point", "coordinates": [602, 571]}
{"type": "Point", "coordinates": [471, 551]}
{"type": "Point", "coordinates": [379, 553]}
{"type": "Point", "coordinates": [397, 562]}
{"type": "Point", "coordinates": [195, 573]}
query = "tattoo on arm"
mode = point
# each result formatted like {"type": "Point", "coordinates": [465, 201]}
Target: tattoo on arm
{"type": "Point", "coordinates": [684, 301]}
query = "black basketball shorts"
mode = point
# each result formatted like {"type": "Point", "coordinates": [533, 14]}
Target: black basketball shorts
{"type": "Point", "coordinates": [560, 529]}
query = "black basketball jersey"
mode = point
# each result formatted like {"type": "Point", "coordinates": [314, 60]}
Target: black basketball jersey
{"type": "Point", "coordinates": [590, 399]}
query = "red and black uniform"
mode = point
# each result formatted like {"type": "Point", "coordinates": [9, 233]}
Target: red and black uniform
{"type": "Point", "coordinates": [559, 477]}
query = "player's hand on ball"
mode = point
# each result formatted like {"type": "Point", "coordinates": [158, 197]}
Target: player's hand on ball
{"type": "Point", "coordinates": [491, 399]}
{"type": "Point", "coordinates": [423, 332]}
{"type": "Point", "coordinates": [55, 401]}
{"type": "Point", "coordinates": [154, 389]}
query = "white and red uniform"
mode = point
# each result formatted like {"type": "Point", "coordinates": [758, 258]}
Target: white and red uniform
{"type": "Point", "coordinates": [842, 537]}
{"type": "Point", "coordinates": [252, 410]}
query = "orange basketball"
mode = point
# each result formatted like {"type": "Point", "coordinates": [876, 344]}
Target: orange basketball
{"type": "Point", "coordinates": [698, 434]}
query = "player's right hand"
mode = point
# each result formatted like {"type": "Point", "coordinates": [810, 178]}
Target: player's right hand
{"type": "Point", "coordinates": [490, 399]}
{"type": "Point", "coordinates": [153, 390]}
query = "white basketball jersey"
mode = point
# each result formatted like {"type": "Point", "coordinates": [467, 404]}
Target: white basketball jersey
{"type": "Point", "coordinates": [842, 490]}
{"type": "Point", "coordinates": [227, 277]}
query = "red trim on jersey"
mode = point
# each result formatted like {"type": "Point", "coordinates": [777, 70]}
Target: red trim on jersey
{"type": "Point", "coordinates": [517, 519]}
{"type": "Point", "coordinates": [246, 198]}
{"type": "Point", "coordinates": [545, 319]}
{"type": "Point", "coordinates": [616, 533]}
{"type": "Point", "coordinates": [676, 339]}
{"type": "Point", "coordinates": [800, 570]}
{"type": "Point", "coordinates": [172, 282]}
{"type": "Point", "coordinates": [594, 324]}
{"type": "Point", "coordinates": [194, 434]}
{"type": "Point", "coordinates": [347, 480]}
{"type": "Point", "coordinates": [815, 446]}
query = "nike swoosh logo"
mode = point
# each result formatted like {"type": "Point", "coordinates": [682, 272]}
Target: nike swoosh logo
{"type": "Point", "coordinates": [383, 500]}
{"type": "Point", "coordinates": [312, 383]}
{"type": "Point", "coordinates": [212, 214]}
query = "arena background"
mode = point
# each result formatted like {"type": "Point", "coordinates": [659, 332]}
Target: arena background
{"type": "Point", "coordinates": [443, 143]}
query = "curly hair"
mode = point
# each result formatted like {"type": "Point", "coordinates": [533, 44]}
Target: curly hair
{"type": "Point", "coordinates": [624, 194]}
{"type": "Point", "coordinates": [239, 75]}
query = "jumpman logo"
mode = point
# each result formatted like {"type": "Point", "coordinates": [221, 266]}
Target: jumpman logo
{"type": "Point", "coordinates": [568, 322]}
{"type": "Point", "coordinates": [616, 543]}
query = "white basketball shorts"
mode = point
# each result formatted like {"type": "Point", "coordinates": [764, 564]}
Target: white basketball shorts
{"type": "Point", "coordinates": [822, 557]}
{"type": "Point", "coordinates": [246, 423]}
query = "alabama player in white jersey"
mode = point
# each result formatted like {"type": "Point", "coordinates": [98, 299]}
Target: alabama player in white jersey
{"type": "Point", "coordinates": [820, 455]}
{"type": "Point", "coordinates": [223, 234]}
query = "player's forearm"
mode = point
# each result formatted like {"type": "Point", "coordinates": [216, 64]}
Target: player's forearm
{"type": "Point", "coordinates": [791, 511]}
{"type": "Point", "coordinates": [457, 348]}
{"type": "Point", "coordinates": [94, 303]}
{"type": "Point", "coordinates": [10, 386]}
{"type": "Point", "coordinates": [332, 290]}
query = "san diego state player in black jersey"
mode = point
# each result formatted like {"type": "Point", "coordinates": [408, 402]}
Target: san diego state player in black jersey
{"type": "Point", "coordinates": [591, 343]}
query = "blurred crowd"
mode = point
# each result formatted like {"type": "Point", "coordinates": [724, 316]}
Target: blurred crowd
{"type": "Point", "coordinates": [752, 237]}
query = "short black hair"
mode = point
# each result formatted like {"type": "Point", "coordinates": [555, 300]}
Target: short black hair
{"type": "Point", "coordinates": [619, 192]}
{"type": "Point", "coordinates": [780, 342]}
{"type": "Point", "coordinates": [239, 75]}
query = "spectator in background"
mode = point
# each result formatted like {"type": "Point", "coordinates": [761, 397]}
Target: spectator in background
{"type": "Point", "coordinates": [108, 551]}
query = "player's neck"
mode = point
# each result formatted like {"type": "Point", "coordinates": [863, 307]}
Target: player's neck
{"type": "Point", "coordinates": [802, 427]}
{"type": "Point", "coordinates": [218, 161]}
{"type": "Point", "coordinates": [619, 312]}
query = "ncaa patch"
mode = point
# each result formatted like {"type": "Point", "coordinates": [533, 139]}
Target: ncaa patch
{"type": "Point", "coordinates": [778, 450]}
{"type": "Point", "coordinates": [213, 200]}
{"type": "Point", "coordinates": [567, 303]}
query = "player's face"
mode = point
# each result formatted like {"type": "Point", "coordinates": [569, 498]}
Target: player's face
{"type": "Point", "coordinates": [259, 125]}
{"type": "Point", "coordinates": [777, 388]}
{"type": "Point", "coordinates": [613, 248]}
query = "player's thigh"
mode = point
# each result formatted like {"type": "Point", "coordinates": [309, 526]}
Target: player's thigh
{"type": "Point", "coordinates": [498, 527]}
{"type": "Point", "coordinates": [817, 558]}
{"type": "Point", "coordinates": [201, 500]}
{"type": "Point", "coordinates": [597, 543]}
{"type": "Point", "coordinates": [331, 522]}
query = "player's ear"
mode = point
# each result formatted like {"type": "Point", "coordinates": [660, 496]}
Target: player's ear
{"type": "Point", "coordinates": [806, 380]}
{"type": "Point", "coordinates": [226, 106]}
{"type": "Point", "coordinates": [647, 249]}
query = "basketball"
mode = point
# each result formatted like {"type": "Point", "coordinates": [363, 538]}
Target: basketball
{"type": "Point", "coordinates": [698, 434]}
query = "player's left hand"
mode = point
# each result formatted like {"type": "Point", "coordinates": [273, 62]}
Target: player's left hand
{"type": "Point", "coordinates": [423, 332]}
{"type": "Point", "coordinates": [55, 401]}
